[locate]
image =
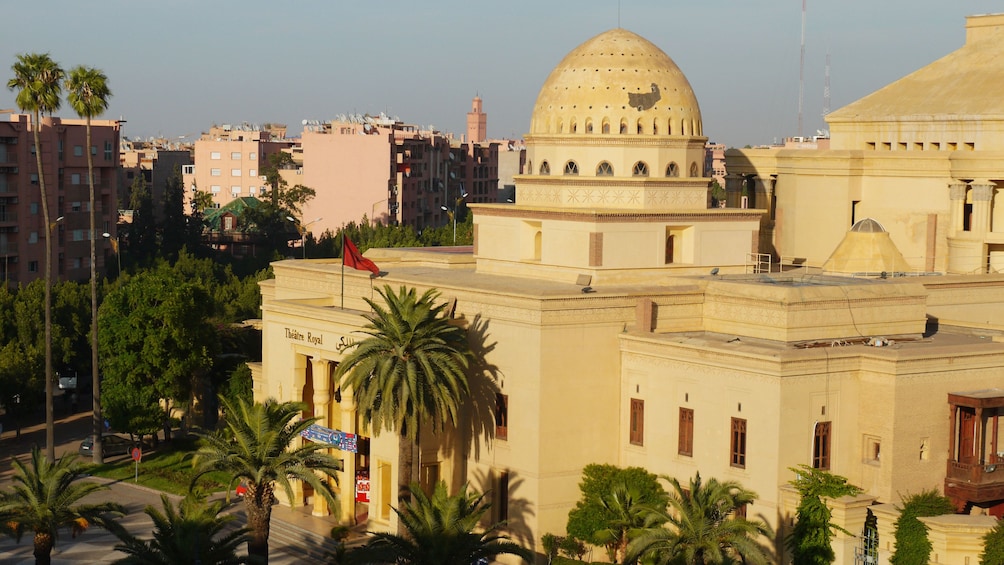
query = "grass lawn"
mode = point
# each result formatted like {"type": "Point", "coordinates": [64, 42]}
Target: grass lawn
{"type": "Point", "coordinates": [167, 469]}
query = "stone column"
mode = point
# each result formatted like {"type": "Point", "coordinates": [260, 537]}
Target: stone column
{"type": "Point", "coordinates": [733, 189]}
{"type": "Point", "coordinates": [982, 195]}
{"type": "Point", "coordinates": [347, 476]}
{"type": "Point", "coordinates": [322, 399]}
{"type": "Point", "coordinates": [763, 190]}
{"type": "Point", "coordinates": [957, 206]}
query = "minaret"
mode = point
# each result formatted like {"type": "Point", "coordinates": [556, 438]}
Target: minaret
{"type": "Point", "coordinates": [477, 122]}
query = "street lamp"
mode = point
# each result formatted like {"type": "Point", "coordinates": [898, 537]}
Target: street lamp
{"type": "Point", "coordinates": [302, 229]}
{"type": "Point", "coordinates": [452, 214]}
{"type": "Point", "coordinates": [115, 248]}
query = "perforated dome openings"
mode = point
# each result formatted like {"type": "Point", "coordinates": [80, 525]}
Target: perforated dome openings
{"type": "Point", "coordinates": [617, 83]}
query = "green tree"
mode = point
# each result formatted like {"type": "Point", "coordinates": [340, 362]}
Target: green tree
{"type": "Point", "coordinates": [629, 517]}
{"type": "Point", "coordinates": [194, 532]}
{"type": "Point", "coordinates": [156, 337]}
{"type": "Point", "coordinates": [591, 515]}
{"type": "Point", "coordinates": [281, 202]}
{"type": "Point", "coordinates": [410, 370]}
{"type": "Point", "coordinates": [141, 234]}
{"type": "Point", "coordinates": [45, 498]}
{"type": "Point", "coordinates": [255, 446]}
{"type": "Point", "coordinates": [440, 531]}
{"type": "Point", "coordinates": [175, 233]}
{"type": "Point", "coordinates": [809, 541]}
{"type": "Point", "coordinates": [912, 545]}
{"type": "Point", "coordinates": [993, 546]}
{"type": "Point", "coordinates": [703, 528]}
{"type": "Point", "coordinates": [88, 94]}
{"type": "Point", "coordinates": [38, 80]}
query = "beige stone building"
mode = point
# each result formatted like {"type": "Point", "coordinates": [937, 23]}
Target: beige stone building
{"type": "Point", "coordinates": [617, 320]}
{"type": "Point", "coordinates": [921, 155]}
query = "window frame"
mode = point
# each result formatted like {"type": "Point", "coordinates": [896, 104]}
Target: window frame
{"type": "Point", "coordinates": [822, 438]}
{"type": "Point", "coordinates": [685, 442]}
{"type": "Point", "coordinates": [571, 168]}
{"type": "Point", "coordinates": [604, 169]}
{"type": "Point", "coordinates": [501, 416]}
{"type": "Point", "coordinates": [737, 443]}
{"type": "Point", "coordinates": [636, 422]}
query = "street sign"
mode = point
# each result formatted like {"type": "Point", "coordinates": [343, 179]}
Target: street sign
{"type": "Point", "coordinates": [137, 454]}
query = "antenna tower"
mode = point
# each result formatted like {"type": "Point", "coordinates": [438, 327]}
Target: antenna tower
{"type": "Point", "coordinates": [801, 73]}
{"type": "Point", "coordinates": [826, 86]}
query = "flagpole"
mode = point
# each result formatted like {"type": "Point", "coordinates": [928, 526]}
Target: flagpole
{"type": "Point", "coordinates": [343, 268]}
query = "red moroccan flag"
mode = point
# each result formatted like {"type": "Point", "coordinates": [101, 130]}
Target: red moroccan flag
{"type": "Point", "coordinates": [351, 257]}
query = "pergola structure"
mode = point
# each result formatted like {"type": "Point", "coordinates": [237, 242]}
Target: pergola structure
{"type": "Point", "coordinates": [975, 473]}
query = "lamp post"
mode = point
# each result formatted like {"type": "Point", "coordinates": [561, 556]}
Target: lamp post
{"type": "Point", "coordinates": [452, 214]}
{"type": "Point", "coordinates": [302, 229]}
{"type": "Point", "coordinates": [115, 248]}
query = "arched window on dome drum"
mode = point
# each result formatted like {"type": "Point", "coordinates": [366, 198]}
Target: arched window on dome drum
{"type": "Point", "coordinates": [571, 168]}
{"type": "Point", "coordinates": [604, 170]}
{"type": "Point", "coordinates": [669, 126]}
{"type": "Point", "coordinates": [655, 127]}
{"type": "Point", "coordinates": [561, 126]}
{"type": "Point", "coordinates": [573, 127]}
{"type": "Point", "coordinates": [693, 127]}
{"type": "Point", "coordinates": [589, 126]}
{"type": "Point", "coordinates": [639, 126]}
{"type": "Point", "coordinates": [545, 168]}
{"type": "Point", "coordinates": [683, 127]}
{"type": "Point", "coordinates": [606, 126]}
{"type": "Point", "coordinates": [672, 170]}
{"type": "Point", "coordinates": [623, 125]}
{"type": "Point", "coordinates": [640, 169]}
{"type": "Point", "coordinates": [694, 171]}
{"type": "Point", "coordinates": [529, 166]}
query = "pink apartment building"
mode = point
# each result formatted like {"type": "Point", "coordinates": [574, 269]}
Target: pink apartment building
{"type": "Point", "coordinates": [228, 160]}
{"type": "Point", "coordinates": [64, 167]}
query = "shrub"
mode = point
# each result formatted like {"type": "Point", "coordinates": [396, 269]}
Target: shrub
{"type": "Point", "coordinates": [912, 545]}
{"type": "Point", "coordinates": [993, 546]}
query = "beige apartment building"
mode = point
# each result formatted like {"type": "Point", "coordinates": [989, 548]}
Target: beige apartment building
{"type": "Point", "coordinates": [617, 319]}
{"type": "Point", "coordinates": [923, 156]}
{"type": "Point", "coordinates": [64, 168]}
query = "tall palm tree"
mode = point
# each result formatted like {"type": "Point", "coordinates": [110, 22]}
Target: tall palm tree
{"type": "Point", "coordinates": [194, 532]}
{"type": "Point", "coordinates": [440, 531]}
{"type": "Point", "coordinates": [411, 370]}
{"type": "Point", "coordinates": [254, 446]}
{"type": "Point", "coordinates": [38, 80]}
{"type": "Point", "coordinates": [703, 528]}
{"type": "Point", "coordinates": [88, 94]}
{"type": "Point", "coordinates": [44, 498]}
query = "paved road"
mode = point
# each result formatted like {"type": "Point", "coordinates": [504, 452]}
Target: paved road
{"type": "Point", "coordinates": [95, 545]}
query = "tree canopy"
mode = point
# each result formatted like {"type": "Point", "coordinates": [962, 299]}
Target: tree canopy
{"type": "Point", "coordinates": [809, 541]}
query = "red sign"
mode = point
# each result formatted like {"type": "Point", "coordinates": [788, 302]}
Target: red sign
{"type": "Point", "coordinates": [136, 454]}
{"type": "Point", "coordinates": [362, 486]}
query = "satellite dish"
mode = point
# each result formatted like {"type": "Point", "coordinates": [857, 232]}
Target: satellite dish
{"type": "Point", "coordinates": [714, 271]}
{"type": "Point", "coordinates": [303, 122]}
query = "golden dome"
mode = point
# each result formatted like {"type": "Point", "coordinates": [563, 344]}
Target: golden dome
{"type": "Point", "coordinates": [617, 82]}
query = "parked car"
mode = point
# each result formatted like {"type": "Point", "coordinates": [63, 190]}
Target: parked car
{"type": "Point", "coordinates": [111, 444]}
{"type": "Point", "coordinates": [67, 378]}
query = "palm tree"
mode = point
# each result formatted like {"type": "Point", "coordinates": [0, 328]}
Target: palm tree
{"type": "Point", "coordinates": [254, 447]}
{"type": "Point", "coordinates": [440, 531]}
{"type": "Point", "coordinates": [37, 79]}
{"type": "Point", "coordinates": [192, 533]}
{"type": "Point", "coordinates": [88, 93]}
{"type": "Point", "coordinates": [630, 517]}
{"type": "Point", "coordinates": [411, 370]}
{"type": "Point", "coordinates": [44, 499]}
{"type": "Point", "coordinates": [703, 528]}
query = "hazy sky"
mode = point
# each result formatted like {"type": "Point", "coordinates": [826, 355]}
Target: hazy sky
{"type": "Point", "coordinates": [178, 66]}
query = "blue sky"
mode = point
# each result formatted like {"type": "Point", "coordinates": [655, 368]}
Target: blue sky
{"type": "Point", "coordinates": [178, 66]}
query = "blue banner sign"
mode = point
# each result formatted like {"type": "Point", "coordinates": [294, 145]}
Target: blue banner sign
{"type": "Point", "coordinates": [337, 439]}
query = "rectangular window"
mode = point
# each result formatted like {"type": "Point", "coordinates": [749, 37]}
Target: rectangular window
{"type": "Point", "coordinates": [78, 150]}
{"type": "Point", "coordinates": [429, 477]}
{"type": "Point", "coordinates": [253, 190]}
{"type": "Point", "coordinates": [236, 155]}
{"type": "Point", "coordinates": [502, 500]}
{"type": "Point", "coordinates": [78, 235]}
{"type": "Point", "coordinates": [75, 206]}
{"type": "Point", "coordinates": [215, 155]}
{"type": "Point", "coordinates": [252, 155]}
{"type": "Point", "coordinates": [188, 169]}
{"type": "Point", "coordinates": [76, 263]}
{"type": "Point", "coordinates": [637, 422]}
{"type": "Point", "coordinates": [32, 266]}
{"type": "Point", "coordinates": [33, 207]}
{"type": "Point", "coordinates": [215, 172]}
{"type": "Point", "coordinates": [686, 444]}
{"type": "Point", "coordinates": [75, 178]}
{"type": "Point", "coordinates": [228, 222]}
{"type": "Point", "coordinates": [215, 189]}
{"type": "Point", "coordinates": [737, 450]}
{"type": "Point", "coordinates": [821, 446]}
{"type": "Point", "coordinates": [108, 151]}
{"type": "Point", "coordinates": [235, 191]}
{"type": "Point", "coordinates": [873, 449]}
{"type": "Point", "coordinates": [34, 178]}
{"type": "Point", "coordinates": [252, 173]}
{"type": "Point", "coordinates": [33, 237]}
{"type": "Point", "coordinates": [235, 172]}
{"type": "Point", "coordinates": [94, 150]}
{"type": "Point", "coordinates": [501, 416]}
